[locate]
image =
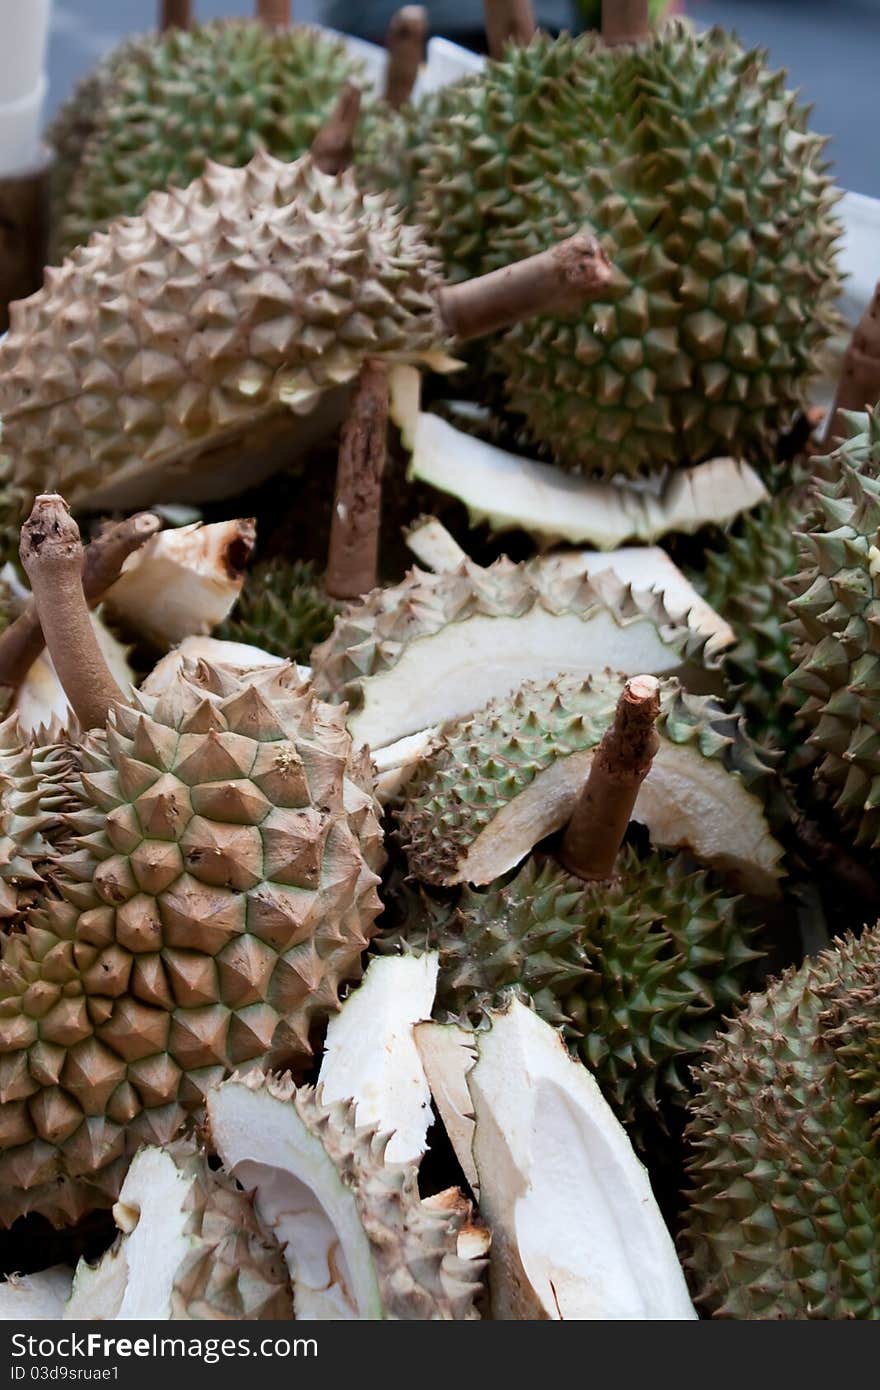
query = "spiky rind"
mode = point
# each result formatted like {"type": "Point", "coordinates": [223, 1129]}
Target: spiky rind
{"type": "Point", "coordinates": [283, 609]}
{"type": "Point", "coordinates": [784, 1181]}
{"type": "Point", "coordinates": [216, 892]}
{"type": "Point", "coordinates": [696, 168]}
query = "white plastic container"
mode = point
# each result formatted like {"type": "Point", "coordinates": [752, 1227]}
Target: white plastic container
{"type": "Point", "coordinates": [24, 32]}
{"type": "Point", "coordinates": [20, 125]}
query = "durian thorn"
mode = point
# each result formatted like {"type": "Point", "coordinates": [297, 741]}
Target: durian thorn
{"type": "Point", "coordinates": [353, 561]}
{"type": "Point", "coordinates": [621, 763]}
{"type": "Point", "coordinates": [508, 21]}
{"type": "Point", "coordinates": [406, 41]}
{"type": "Point", "coordinates": [175, 14]}
{"type": "Point", "coordinates": [568, 274]}
{"type": "Point", "coordinates": [275, 13]}
{"type": "Point", "coordinates": [625, 21]}
{"type": "Point", "coordinates": [858, 387]}
{"type": "Point", "coordinates": [23, 640]}
{"type": "Point", "coordinates": [333, 146]}
{"type": "Point", "coordinates": [52, 556]}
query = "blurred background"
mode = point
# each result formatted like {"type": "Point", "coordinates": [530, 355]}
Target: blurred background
{"type": "Point", "coordinates": [830, 49]}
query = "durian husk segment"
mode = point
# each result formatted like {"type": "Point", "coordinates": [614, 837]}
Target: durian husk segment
{"type": "Point", "coordinates": [438, 646]}
{"type": "Point", "coordinates": [35, 1297]}
{"type": "Point", "coordinates": [132, 377]}
{"type": "Point", "coordinates": [784, 1189]}
{"type": "Point", "coordinates": [836, 610]}
{"type": "Point", "coordinates": [237, 657]}
{"type": "Point", "coordinates": [501, 781]}
{"type": "Point", "coordinates": [284, 608]}
{"type": "Point", "coordinates": [190, 1247]}
{"type": "Point", "coordinates": [370, 1055]}
{"type": "Point", "coordinates": [694, 166]}
{"type": "Point", "coordinates": [576, 1233]}
{"type": "Point", "coordinates": [509, 493]}
{"type": "Point", "coordinates": [213, 890]}
{"type": "Point", "coordinates": [160, 107]}
{"type": "Point", "coordinates": [360, 1242]}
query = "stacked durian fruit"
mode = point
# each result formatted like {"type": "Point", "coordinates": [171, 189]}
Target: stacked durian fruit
{"type": "Point", "coordinates": [488, 936]}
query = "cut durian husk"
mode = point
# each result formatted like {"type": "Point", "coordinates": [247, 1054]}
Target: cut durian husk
{"type": "Point", "coordinates": [234, 656]}
{"type": "Point", "coordinates": [509, 493]}
{"type": "Point", "coordinates": [576, 1232]}
{"type": "Point", "coordinates": [35, 1297]}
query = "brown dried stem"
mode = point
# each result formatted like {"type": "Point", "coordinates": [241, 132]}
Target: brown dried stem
{"type": "Point", "coordinates": [175, 14]}
{"type": "Point", "coordinates": [23, 640]}
{"type": "Point", "coordinates": [406, 40]}
{"type": "Point", "coordinates": [53, 558]}
{"type": "Point", "coordinates": [508, 21]}
{"type": "Point", "coordinates": [333, 146]}
{"type": "Point", "coordinates": [625, 21]}
{"type": "Point", "coordinates": [353, 562]}
{"type": "Point", "coordinates": [275, 13]}
{"type": "Point", "coordinates": [560, 279]}
{"type": "Point", "coordinates": [620, 764]}
{"type": "Point", "coordinates": [859, 385]}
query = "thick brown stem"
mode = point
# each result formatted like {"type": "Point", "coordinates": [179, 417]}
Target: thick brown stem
{"type": "Point", "coordinates": [406, 40]}
{"type": "Point", "coordinates": [625, 21]}
{"type": "Point", "coordinates": [275, 13]}
{"type": "Point", "coordinates": [175, 14]}
{"type": "Point", "coordinates": [24, 234]}
{"type": "Point", "coordinates": [560, 279]}
{"type": "Point", "coordinates": [52, 555]}
{"type": "Point", "coordinates": [23, 640]}
{"type": "Point", "coordinates": [333, 146]}
{"type": "Point", "coordinates": [620, 764]}
{"type": "Point", "coordinates": [859, 384]}
{"type": "Point", "coordinates": [353, 563]}
{"type": "Point", "coordinates": [508, 21]}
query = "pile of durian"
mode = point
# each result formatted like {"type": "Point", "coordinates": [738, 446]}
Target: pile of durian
{"type": "Point", "coordinates": [440, 659]}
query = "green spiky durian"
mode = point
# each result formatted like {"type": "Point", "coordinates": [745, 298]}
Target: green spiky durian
{"type": "Point", "coordinates": [157, 110]}
{"type": "Point", "coordinates": [186, 352]}
{"type": "Point", "coordinates": [498, 782]}
{"type": "Point", "coordinates": [694, 165]}
{"type": "Point", "coordinates": [360, 1241]}
{"type": "Point", "coordinates": [283, 609]}
{"type": "Point", "coordinates": [784, 1216]}
{"type": "Point", "coordinates": [212, 889]}
{"type": "Point", "coordinates": [638, 971]}
{"type": "Point", "coordinates": [835, 646]}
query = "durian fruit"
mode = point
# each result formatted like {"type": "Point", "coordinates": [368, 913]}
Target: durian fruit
{"type": "Point", "coordinates": [283, 609]}
{"type": "Point", "coordinates": [359, 1240]}
{"type": "Point", "coordinates": [190, 1247]}
{"type": "Point", "coordinates": [212, 889]}
{"type": "Point", "coordinates": [161, 106]}
{"type": "Point", "coordinates": [784, 1215]}
{"type": "Point", "coordinates": [696, 168]}
{"type": "Point", "coordinates": [497, 783]}
{"type": "Point", "coordinates": [438, 646]}
{"type": "Point", "coordinates": [637, 972]}
{"type": "Point", "coordinates": [836, 606]}
{"type": "Point", "coordinates": [129, 378]}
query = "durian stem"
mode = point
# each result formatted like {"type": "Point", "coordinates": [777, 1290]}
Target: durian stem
{"type": "Point", "coordinates": [275, 13]}
{"type": "Point", "coordinates": [23, 640]}
{"type": "Point", "coordinates": [333, 146]}
{"type": "Point", "coordinates": [508, 22]}
{"type": "Point", "coordinates": [625, 21]}
{"type": "Point", "coordinates": [52, 556]}
{"type": "Point", "coordinates": [175, 14]}
{"type": "Point", "coordinates": [859, 385]}
{"type": "Point", "coordinates": [620, 764]}
{"type": "Point", "coordinates": [406, 40]}
{"type": "Point", "coordinates": [567, 275]}
{"type": "Point", "coordinates": [353, 562]}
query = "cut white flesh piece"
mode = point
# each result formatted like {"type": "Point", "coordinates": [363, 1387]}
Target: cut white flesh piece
{"type": "Point", "coordinates": [448, 1053]}
{"type": "Point", "coordinates": [359, 1241]}
{"type": "Point", "coordinates": [35, 1297]}
{"type": "Point", "coordinates": [404, 400]}
{"type": "Point", "coordinates": [237, 656]}
{"type": "Point", "coordinates": [370, 1055]}
{"type": "Point", "coordinates": [512, 493]}
{"type": "Point", "coordinates": [397, 762]}
{"type": "Point", "coordinates": [433, 546]}
{"type": "Point", "coordinates": [183, 582]}
{"type": "Point", "coordinates": [41, 699]}
{"type": "Point", "coordinates": [648, 567]}
{"type": "Point", "coordinates": [576, 1232]}
{"type": "Point", "coordinates": [99, 1290]}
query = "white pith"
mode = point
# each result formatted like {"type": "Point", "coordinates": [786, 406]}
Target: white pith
{"type": "Point", "coordinates": [35, 1297]}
